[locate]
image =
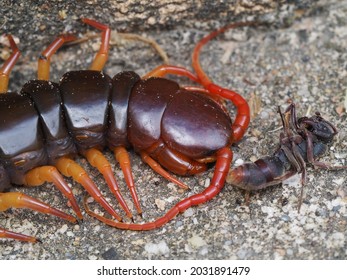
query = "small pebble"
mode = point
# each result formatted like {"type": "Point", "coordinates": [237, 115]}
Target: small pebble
{"type": "Point", "coordinates": [196, 241]}
{"type": "Point", "coordinates": [160, 248]}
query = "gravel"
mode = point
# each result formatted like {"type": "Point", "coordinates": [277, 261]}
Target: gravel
{"type": "Point", "coordinates": [305, 62]}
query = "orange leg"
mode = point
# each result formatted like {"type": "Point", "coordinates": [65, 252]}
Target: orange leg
{"type": "Point", "coordinates": [18, 236]}
{"type": "Point", "coordinates": [224, 158]}
{"type": "Point", "coordinates": [5, 70]}
{"type": "Point", "coordinates": [40, 175]}
{"type": "Point", "coordinates": [20, 200]}
{"type": "Point", "coordinates": [122, 157]}
{"type": "Point", "coordinates": [45, 57]}
{"type": "Point", "coordinates": [72, 169]}
{"type": "Point", "coordinates": [98, 160]}
{"type": "Point", "coordinates": [241, 122]}
{"type": "Point", "coordinates": [161, 171]}
{"type": "Point", "coordinates": [101, 57]}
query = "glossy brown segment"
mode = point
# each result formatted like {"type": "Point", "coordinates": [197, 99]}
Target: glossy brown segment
{"type": "Point", "coordinates": [122, 85]}
{"type": "Point", "coordinates": [85, 96]}
{"type": "Point", "coordinates": [147, 105]}
{"type": "Point", "coordinates": [195, 125]}
{"type": "Point", "coordinates": [45, 96]}
{"type": "Point", "coordinates": [21, 140]}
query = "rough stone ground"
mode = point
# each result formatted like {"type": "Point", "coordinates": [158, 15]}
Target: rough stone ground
{"type": "Point", "coordinates": [305, 62]}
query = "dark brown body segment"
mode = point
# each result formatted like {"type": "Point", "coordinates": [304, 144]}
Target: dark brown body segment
{"type": "Point", "coordinates": [122, 85]}
{"type": "Point", "coordinates": [148, 102]}
{"type": "Point", "coordinates": [187, 122]}
{"type": "Point", "coordinates": [195, 125]}
{"type": "Point", "coordinates": [21, 141]}
{"type": "Point", "coordinates": [46, 98]}
{"type": "Point", "coordinates": [85, 96]}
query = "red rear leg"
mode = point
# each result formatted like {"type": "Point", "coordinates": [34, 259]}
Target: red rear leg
{"type": "Point", "coordinates": [242, 119]}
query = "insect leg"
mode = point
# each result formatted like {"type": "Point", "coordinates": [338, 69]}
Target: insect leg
{"type": "Point", "coordinates": [18, 236]}
{"type": "Point", "coordinates": [122, 157]}
{"type": "Point", "coordinates": [44, 61]}
{"type": "Point", "coordinates": [99, 161]}
{"type": "Point", "coordinates": [224, 158]}
{"type": "Point", "coordinates": [102, 55]}
{"type": "Point", "coordinates": [163, 70]}
{"type": "Point", "coordinates": [161, 171]}
{"type": "Point", "coordinates": [40, 175]}
{"type": "Point", "coordinates": [5, 70]}
{"type": "Point", "coordinates": [72, 169]}
{"type": "Point", "coordinates": [20, 200]}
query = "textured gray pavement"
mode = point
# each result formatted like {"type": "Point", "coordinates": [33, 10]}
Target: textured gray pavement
{"type": "Point", "coordinates": [304, 60]}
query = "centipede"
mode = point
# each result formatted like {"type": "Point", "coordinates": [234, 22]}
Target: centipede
{"type": "Point", "coordinates": [174, 129]}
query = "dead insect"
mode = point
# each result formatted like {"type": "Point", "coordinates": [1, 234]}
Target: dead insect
{"type": "Point", "coordinates": [302, 141]}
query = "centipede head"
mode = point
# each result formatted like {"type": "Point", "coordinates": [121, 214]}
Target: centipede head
{"type": "Point", "coordinates": [322, 129]}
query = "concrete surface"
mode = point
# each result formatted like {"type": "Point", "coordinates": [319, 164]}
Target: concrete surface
{"type": "Point", "coordinates": [304, 61]}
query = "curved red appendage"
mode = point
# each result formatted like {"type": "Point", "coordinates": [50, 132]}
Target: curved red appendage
{"type": "Point", "coordinates": [20, 200]}
{"type": "Point", "coordinates": [44, 61]}
{"type": "Point", "coordinates": [243, 115]}
{"type": "Point", "coordinates": [242, 120]}
{"type": "Point", "coordinates": [161, 171]}
{"type": "Point", "coordinates": [4, 233]}
{"type": "Point", "coordinates": [163, 70]}
{"type": "Point", "coordinates": [6, 68]}
{"type": "Point", "coordinates": [102, 55]}
{"type": "Point", "coordinates": [224, 158]}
